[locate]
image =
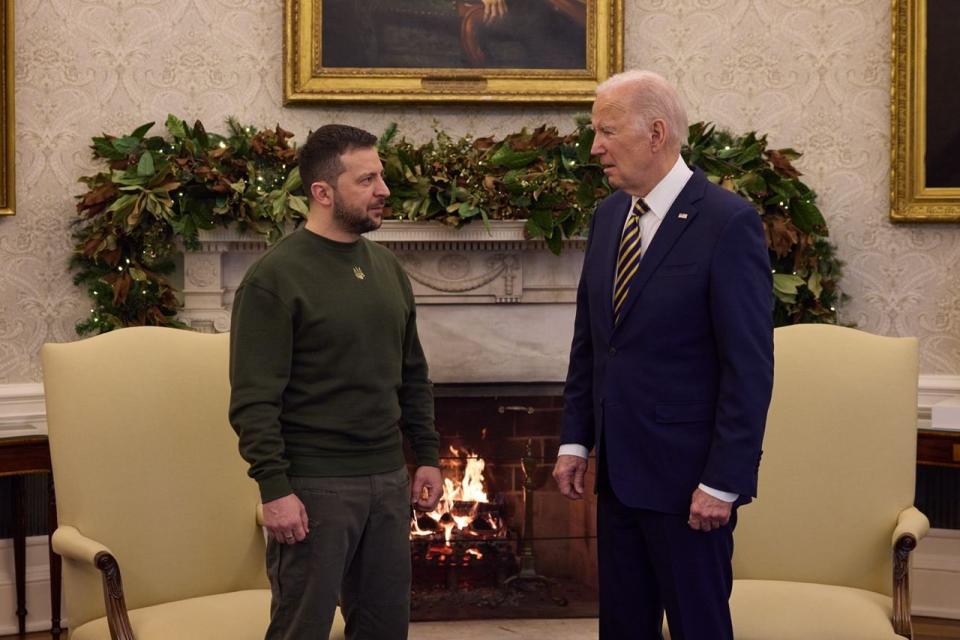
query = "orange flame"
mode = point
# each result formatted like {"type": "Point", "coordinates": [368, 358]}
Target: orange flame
{"type": "Point", "coordinates": [469, 489]}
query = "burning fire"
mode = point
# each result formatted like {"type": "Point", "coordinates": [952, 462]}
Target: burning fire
{"type": "Point", "coordinates": [459, 512]}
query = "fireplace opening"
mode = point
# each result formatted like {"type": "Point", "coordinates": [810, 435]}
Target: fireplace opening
{"type": "Point", "coordinates": [502, 542]}
{"type": "Point", "coordinates": [464, 542]}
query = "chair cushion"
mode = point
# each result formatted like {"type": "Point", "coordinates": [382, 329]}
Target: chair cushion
{"type": "Point", "coordinates": [766, 609]}
{"type": "Point", "coordinates": [241, 615]}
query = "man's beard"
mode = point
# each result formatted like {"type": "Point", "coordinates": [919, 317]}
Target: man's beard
{"type": "Point", "coordinates": [355, 219]}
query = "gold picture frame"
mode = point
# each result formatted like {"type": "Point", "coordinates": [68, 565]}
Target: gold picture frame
{"type": "Point", "coordinates": [924, 171]}
{"type": "Point", "coordinates": [7, 158]}
{"type": "Point", "coordinates": [450, 51]}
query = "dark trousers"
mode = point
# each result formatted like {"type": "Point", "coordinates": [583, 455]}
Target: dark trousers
{"type": "Point", "coordinates": [651, 563]}
{"type": "Point", "coordinates": [358, 550]}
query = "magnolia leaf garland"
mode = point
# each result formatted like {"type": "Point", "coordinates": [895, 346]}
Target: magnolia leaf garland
{"type": "Point", "coordinates": [156, 193]}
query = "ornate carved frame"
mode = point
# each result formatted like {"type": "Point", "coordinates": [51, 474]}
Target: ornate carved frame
{"type": "Point", "coordinates": [305, 80]}
{"type": "Point", "coordinates": [910, 199]}
{"type": "Point", "coordinates": [7, 159]}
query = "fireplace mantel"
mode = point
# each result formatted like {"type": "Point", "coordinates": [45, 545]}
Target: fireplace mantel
{"type": "Point", "coordinates": [492, 305]}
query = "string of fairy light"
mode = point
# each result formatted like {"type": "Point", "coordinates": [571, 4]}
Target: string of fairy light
{"type": "Point", "coordinates": [548, 179]}
{"type": "Point", "coordinates": [251, 177]}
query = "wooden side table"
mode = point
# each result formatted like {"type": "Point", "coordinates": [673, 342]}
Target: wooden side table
{"type": "Point", "coordinates": [938, 448]}
{"type": "Point", "coordinates": [20, 457]}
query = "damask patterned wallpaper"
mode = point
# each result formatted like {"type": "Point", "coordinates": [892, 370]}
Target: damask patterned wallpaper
{"type": "Point", "coordinates": [814, 74]}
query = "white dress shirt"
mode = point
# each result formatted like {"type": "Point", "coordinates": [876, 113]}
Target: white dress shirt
{"type": "Point", "coordinates": [660, 199]}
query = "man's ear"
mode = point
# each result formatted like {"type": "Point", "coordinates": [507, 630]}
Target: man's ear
{"type": "Point", "coordinates": [322, 193]}
{"type": "Point", "coordinates": [658, 135]}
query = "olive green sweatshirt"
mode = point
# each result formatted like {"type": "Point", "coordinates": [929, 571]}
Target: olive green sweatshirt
{"type": "Point", "coordinates": [326, 367]}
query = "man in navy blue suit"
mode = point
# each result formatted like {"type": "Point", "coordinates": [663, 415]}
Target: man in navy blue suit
{"type": "Point", "coordinates": [671, 370]}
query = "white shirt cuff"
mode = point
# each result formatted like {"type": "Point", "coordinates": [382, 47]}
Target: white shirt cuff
{"type": "Point", "coordinates": [582, 452]}
{"type": "Point", "coordinates": [726, 496]}
{"type": "Point", "coordinates": [573, 450]}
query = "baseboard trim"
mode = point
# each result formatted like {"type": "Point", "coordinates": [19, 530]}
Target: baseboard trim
{"type": "Point", "coordinates": [935, 575]}
{"type": "Point", "coordinates": [38, 561]}
{"type": "Point", "coordinates": [942, 613]}
{"type": "Point", "coordinates": [33, 626]}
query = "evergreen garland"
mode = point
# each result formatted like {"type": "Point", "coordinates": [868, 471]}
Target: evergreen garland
{"type": "Point", "coordinates": [157, 192]}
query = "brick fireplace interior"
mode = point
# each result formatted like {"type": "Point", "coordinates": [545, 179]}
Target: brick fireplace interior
{"type": "Point", "coordinates": [502, 424]}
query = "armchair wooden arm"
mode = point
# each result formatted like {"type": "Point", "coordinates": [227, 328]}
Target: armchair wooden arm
{"type": "Point", "coordinates": [912, 525]}
{"type": "Point", "coordinates": [72, 544]}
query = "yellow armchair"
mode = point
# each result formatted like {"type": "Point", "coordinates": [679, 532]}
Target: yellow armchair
{"type": "Point", "coordinates": [824, 550]}
{"type": "Point", "coordinates": [149, 480]}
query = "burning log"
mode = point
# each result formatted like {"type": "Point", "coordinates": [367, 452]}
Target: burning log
{"type": "Point", "coordinates": [463, 508]}
{"type": "Point", "coordinates": [425, 523]}
{"type": "Point", "coordinates": [464, 539]}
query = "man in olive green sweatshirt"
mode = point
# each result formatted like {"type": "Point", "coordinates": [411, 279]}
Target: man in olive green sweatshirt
{"type": "Point", "coordinates": [328, 377]}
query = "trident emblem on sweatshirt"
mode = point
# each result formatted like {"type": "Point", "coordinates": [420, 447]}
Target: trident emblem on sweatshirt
{"type": "Point", "coordinates": [358, 272]}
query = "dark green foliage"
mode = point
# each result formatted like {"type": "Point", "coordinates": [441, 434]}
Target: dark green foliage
{"type": "Point", "coordinates": [156, 193]}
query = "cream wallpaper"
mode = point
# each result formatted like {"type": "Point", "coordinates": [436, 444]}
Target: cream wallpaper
{"type": "Point", "coordinates": [813, 74]}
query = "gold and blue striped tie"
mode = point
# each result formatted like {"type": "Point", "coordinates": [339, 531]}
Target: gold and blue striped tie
{"type": "Point", "coordinates": [628, 257]}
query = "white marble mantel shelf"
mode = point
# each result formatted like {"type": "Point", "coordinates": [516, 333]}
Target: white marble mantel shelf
{"type": "Point", "coordinates": [476, 265]}
{"type": "Point", "coordinates": [493, 305]}
{"type": "Point", "coordinates": [501, 233]}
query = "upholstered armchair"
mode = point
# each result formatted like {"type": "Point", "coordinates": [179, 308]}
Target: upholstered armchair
{"type": "Point", "coordinates": [149, 483]}
{"type": "Point", "coordinates": [824, 550]}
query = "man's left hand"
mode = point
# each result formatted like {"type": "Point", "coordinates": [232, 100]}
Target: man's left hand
{"type": "Point", "coordinates": [427, 488]}
{"type": "Point", "coordinates": [708, 513]}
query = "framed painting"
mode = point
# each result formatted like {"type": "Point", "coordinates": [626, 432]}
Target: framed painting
{"type": "Point", "coordinates": [450, 50]}
{"type": "Point", "coordinates": [7, 206]}
{"type": "Point", "coordinates": [925, 135]}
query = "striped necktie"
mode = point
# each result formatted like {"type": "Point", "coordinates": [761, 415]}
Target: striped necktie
{"type": "Point", "coordinates": [628, 257]}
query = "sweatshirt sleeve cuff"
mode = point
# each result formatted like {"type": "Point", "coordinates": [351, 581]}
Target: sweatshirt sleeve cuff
{"type": "Point", "coordinates": [273, 487]}
{"type": "Point", "coordinates": [428, 457]}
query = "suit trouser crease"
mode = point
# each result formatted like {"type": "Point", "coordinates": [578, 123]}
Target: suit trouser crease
{"type": "Point", "coordinates": [651, 563]}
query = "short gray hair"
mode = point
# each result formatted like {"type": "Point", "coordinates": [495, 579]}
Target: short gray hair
{"type": "Point", "coordinates": [652, 97]}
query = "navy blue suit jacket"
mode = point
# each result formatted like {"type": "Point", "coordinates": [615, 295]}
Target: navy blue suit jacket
{"type": "Point", "coordinates": [679, 389]}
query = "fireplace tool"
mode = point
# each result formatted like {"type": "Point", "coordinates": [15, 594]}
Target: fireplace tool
{"type": "Point", "coordinates": [527, 578]}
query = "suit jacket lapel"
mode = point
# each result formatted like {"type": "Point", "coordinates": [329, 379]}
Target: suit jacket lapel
{"type": "Point", "coordinates": [672, 227]}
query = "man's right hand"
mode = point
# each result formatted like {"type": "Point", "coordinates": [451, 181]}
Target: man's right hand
{"type": "Point", "coordinates": [286, 519]}
{"type": "Point", "coordinates": [568, 473]}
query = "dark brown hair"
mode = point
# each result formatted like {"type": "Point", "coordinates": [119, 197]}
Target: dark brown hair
{"type": "Point", "coordinates": [319, 158]}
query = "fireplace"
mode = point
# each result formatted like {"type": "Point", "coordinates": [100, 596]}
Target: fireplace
{"type": "Point", "coordinates": [495, 316]}
{"type": "Point", "coordinates": [526, 551]}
